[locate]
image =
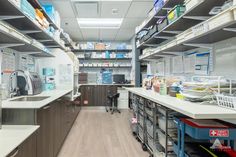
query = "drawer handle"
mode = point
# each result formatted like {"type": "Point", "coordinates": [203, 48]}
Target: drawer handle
{"type": "Point", "coordinates": [16, 152]}
{"type": "Point", "coordinates": [46, 107]}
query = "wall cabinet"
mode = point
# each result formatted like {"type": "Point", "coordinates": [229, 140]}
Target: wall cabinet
{"type": "Point", "coordinates": [26, 149]}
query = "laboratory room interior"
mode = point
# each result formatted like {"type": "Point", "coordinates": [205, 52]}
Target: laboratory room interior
{"type": "Point", "coordinates": [118, 78]}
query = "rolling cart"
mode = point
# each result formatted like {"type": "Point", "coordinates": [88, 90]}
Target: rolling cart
{"type": "Point", "coordinates": [204, 130]}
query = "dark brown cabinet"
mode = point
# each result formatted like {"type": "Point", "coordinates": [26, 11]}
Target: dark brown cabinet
{"type": "Point", "coordinates": [55, 121]}
{"type": "Point", "coordinates": [26, 149]}
{"type": "Point", "coordinates": [96, 95]}
{"type": "Point", "coordinates": [45, 132]}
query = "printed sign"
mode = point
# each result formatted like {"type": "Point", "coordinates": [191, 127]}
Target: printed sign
{"type": "Point", "coordinates": [219, 133]}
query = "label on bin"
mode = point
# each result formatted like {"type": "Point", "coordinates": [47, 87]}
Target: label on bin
{"type": "Point", "coordinates": [219, 133]}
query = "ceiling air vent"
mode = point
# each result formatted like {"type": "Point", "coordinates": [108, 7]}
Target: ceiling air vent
{"type": "Point", "coordinates": [87, 9]}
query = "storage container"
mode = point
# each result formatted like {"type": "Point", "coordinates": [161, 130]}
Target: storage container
{"type": "Point", "coordinates": [162, 140]}
{"type": "Point", "coordinates": [49, 9]}
{"type": "Point", "coordinates": [150, 142]}
{"type": "Point", "coordinates": [120, 55]}
{"type": "Point", "coordinates": [153, 30]}
{"type": "Point", "coordinates": [140, 133]}
{"type": "Point", "coordinates": [141, 120]}
{"type": "Point", "coordinates": [162, 23]}
{"type": "Point", "coordinates": [158, 4]}
{"type": "Point", "coordinates": [175, 13]}
{"type": "Point", "coordinates": [162, 123]}
{"type": "Point", "coordinates": [149, 128]}
{"type": "Point", "coordinates": [28, 9]}
{"type": "Point", "coordinates": [149, 111]}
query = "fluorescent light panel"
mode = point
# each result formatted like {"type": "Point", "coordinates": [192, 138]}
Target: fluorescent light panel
{"type": "Point", "coordinates": [102, 23]}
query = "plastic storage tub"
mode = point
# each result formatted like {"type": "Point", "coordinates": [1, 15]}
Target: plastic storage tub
{"type": "Point", "coordinates": [149, 128]}
{"type": "Point", "coordinates": [162, 23]}
{"type": "Point", "coordinates": [158, 4]}
{"type": "Point", "coordinates": [162, 123]}
{"type": "Point", "coordinates": [162, 140]}
{"type": "Point", "coordinates": [141, 120]}
{"type": "Point", "coordinates": [175, 13]}
{"type": "Point", "coordinates": [140, 133]}
{"type": "Point", "coordinates": [150, 142]}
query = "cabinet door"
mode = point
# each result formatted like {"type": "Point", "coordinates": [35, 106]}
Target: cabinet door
{"type": "Point", "coordinates": [26, 149]}
{"type": "Point", "coordinates": [56, 118]}
{"type": "Point", "coordinates": [45, 132]}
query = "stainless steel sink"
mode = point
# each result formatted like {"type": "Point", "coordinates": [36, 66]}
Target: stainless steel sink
{"type": "Point", "coordinates": [31, 98]}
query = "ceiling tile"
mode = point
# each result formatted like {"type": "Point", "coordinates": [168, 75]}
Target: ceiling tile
{"type": "Point", "coordinates": [131, 22]}
{"type": "Point", "coordinates": [139, 9]}
{"type": "Point", "coordinates": [90, 34]}
{"type": "Point", "coordinates": [64, 8]}
{"type": "Point", "coordinates": [69, 22]}
{"type": "Point", "coordinates": [108, 34]}
{"type": "Point", "coordinates": [121, 6]}
{"type": "Point", "coordinates": [125, 34]}
{"type": "Point", "coordinates": [75, 33]}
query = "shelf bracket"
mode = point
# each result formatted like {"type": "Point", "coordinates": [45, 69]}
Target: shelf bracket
{"type": "Point", "coordinates": [151, 45]}
{"type": "Point", "coordinates": [52, 46]}
{"type": "Point", "coordinates": [174, 53]}
{"type": "Point", "coordinates": [6, 17]}
{"type": "Point", "coordinates": [173, 32]}
{"type": "Point", "coordinates": [46, 40]}
{"type": "Point", "coordinates": [31, 31]}
{"type": "Point", "coordinates": [10, 45]}
{"type": "Point", "coordinates": [200, 45]}
{"type": "Point", "coordinates": [166, 8]}
{"type": "Point", "coordinates": [162, 37]}
{"type": "Point", "coordinates": [159, 17]}
{"type": "Point", "coordinates": [230, 29]}
{"type": "Point", "coordinates": [200, 18]}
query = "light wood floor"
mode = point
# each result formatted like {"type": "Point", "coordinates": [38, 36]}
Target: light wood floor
{"type": "Point", "coordinates": [99, 134]}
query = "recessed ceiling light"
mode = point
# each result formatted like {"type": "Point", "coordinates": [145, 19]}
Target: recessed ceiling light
{"type": "Point", "coordinates": [102, 23]}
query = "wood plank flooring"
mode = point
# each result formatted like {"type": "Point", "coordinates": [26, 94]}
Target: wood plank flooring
{"type": "Point", "coordinates": [99, 134]}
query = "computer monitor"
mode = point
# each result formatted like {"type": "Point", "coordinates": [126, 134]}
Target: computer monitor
{"type": "Point", "coordinates": [118, 79]}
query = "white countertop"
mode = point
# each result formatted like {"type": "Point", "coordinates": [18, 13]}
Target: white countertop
{"type": "Point", "coordinates": [96, 84]}
{"type": "Point", "coordinates": [53, 95]}
{"type": "Point", "coordinates": [11, 136]}
{"type": "Point", "coordinates": [193, 110]}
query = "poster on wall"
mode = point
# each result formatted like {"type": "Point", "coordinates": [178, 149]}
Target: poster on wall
{"type": "Point", "coordinates": [202, 63]}
{"type": "Point", "coordinates": [178, 65]}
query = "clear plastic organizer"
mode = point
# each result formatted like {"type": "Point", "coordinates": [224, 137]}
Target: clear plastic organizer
{"type": "Point", "coordinates": [150, 142]}
{"type": "Point", "coordinates": [226, 101]}
{"type": "Point", "coordinates": [162, 123]}
{"type": "Point", "coordinates": [149, 128]}
{"type": "Point", "coordinates": [141, 120]}
{"type": "Point", "coordinates": [140, 132]}
{"type": "Point", "coordinates": [149, 111]}
{"type": "Point", "coordinates": [162, 140]}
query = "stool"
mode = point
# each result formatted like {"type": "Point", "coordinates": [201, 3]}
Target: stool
{"type": "Point", "coordinates": [115, 103]}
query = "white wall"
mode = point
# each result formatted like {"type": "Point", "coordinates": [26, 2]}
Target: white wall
{"type": "Point", "coordinates": [63, 66]}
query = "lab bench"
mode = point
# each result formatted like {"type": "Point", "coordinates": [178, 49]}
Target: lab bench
{"type": "Point", "coordinates": [156, 125]}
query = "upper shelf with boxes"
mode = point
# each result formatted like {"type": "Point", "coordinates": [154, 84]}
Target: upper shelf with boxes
{"type": "Point", "coordinates": [178, 19]}
{"type": "Point", "coordinates": [40, 22]}
{"type": "Point", "coordinates": [218, 27]}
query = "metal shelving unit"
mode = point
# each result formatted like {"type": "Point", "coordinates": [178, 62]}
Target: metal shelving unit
{"type": "Point", "coordinates": [105, 59]}
{"type": "Point", "coordinates": [11, 38]}
{"type": "Point", "coordinates": [36, 4]}
{"type": "Point", "coordinates": [13, 15]}
{"type": "Point", "coordinates": [105, 66]}
{"type": "Point", "coordinates": [192, 17]}
{"type": "Point", "coordinates": [93, 50]}
{"type": "Point", "coordinates": [160, 13]}
{"type": "Point", "coordinates": [140, 107]}
{"type": "Point", "coordinates": [206, 33]}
